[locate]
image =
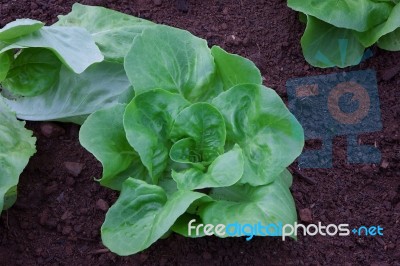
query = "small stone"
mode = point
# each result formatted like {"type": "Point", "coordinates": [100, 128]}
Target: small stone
{"type": "Point", "coordinates": [306, 215]}
{"type": "Point", "coordinates": [224, 26]}
{"type": "Point", "coordinates": [102, 205]}
{"type": "Point", "coordinates": [66, 230]}
{"type": "Point", "coordinates": [225, 11]}
{"type": "Point", "coordinates": [51, 130]}
{"type": "Point", "coordinates": [73, 168]}
{"type": "Point", "coordinates": [66, 216]}
{"type": "Point", "coordinates": [157, 2]}
{"type": "Point", "coordinates": [384, 164]}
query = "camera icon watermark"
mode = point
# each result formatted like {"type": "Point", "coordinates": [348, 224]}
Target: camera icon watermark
{"type": "Point", "coordinates": [337, 104]}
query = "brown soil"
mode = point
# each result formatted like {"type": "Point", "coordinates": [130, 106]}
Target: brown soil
{"type": "Point", "coordinates": [57, 217]}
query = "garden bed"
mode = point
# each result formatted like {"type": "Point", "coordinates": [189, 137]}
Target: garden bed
{"type": "Point", "coordinates": [60, 209]}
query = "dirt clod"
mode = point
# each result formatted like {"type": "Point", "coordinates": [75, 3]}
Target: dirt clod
{"type": "Point", "coordinates": [102, 205]}
{"type": "Point", "coordinates": [73, 168]}
{"type": "Point", "coordinates": [51, 130]}
{"type": "Point", "coordinates": [306, 215]}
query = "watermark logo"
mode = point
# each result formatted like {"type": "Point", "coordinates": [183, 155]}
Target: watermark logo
{"type": "Point", "coordinates": [334, 105]}
{"type": "Point", "coordinates": [279, 229]}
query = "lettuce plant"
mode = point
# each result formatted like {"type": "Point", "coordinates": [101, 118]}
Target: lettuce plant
{"type": "Point", "coordinates": [16, 147]}
{"type": "Point", "coordinates": [202, 138]}
{"type": "Point", "coordinates": [58, 91]}
{"type": "Point", "coordinates": [338, 32]}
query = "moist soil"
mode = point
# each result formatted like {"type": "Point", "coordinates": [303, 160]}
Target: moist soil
{"type": "Point", "coordinates": [60, 208]}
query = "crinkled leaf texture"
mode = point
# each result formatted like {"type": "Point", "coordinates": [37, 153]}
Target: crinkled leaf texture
{"type": "Point", "coordinates": [148, 121]}
{"type": "Point", "coordinates": [270, 136]}
{"type": "Point", "coordinates": [224, 171]}
{"type": "Point", "coordinates": [16, 147]}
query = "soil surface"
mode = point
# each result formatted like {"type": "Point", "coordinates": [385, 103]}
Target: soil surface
{"type": "Point", "coordinates": [60, 208]}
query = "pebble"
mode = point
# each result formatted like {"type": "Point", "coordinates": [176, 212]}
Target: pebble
{"type": "Point", "coordinates": [73, 168]}
{"type": "Point", "coordinates": [232, 39]}
{"type": "Point", "coordinates": [224, 26]}
{"type": "Point", "coordinates": [102, 205]}
{"type": "Point", "coordinates": [51, 130]}
{"type": "Point", "coordinates": [66, 215]}
{"type": "Point", "coordinates": [384, 164]}
{"type": "Point", "coordinates": [306, 215]}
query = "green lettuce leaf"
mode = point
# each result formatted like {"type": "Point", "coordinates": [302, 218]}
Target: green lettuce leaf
{"type": "Point", "coordinates": [325, 45]}
{"type": "Point", "coordinates": [112, 31]}
{"type": "Point", "coordinates": [224, 171]}
{"type": "Point", "coordinates": [74, 97]}
{"type": "Point", "coordinates": [111, 148]}
{"type": "Point", "coordinates": [171, 59]}
{"type": "Point", "coordinates": [390, 41]}
{"type": "Point", "coordinates": [6, 60]}
{"type": "Point", "coordinates": [33, 72]}
{"type": "Point", "coordinates": [74, 46]}
{"type": "Point", "coordinates": [358, 15]}
{"type": "Point", "coordinates": [142, 214]}
{"type": "Point", "coordinates": [16, 147]}
{"type": "Point", "coordinates": [234, 69]}
{"type": "Point", "coordinates": [371, 36]}
{"type": "Point", "coordinates": [148, 121]}
{"type": "Point", "coordinates": [270, 136]}
{"type": "Point", "coordinates": [245, 204]}
{"type": "Point", "coordinates": [19, 28]}
{"type": "Point", "coordinates": [204, 124]}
